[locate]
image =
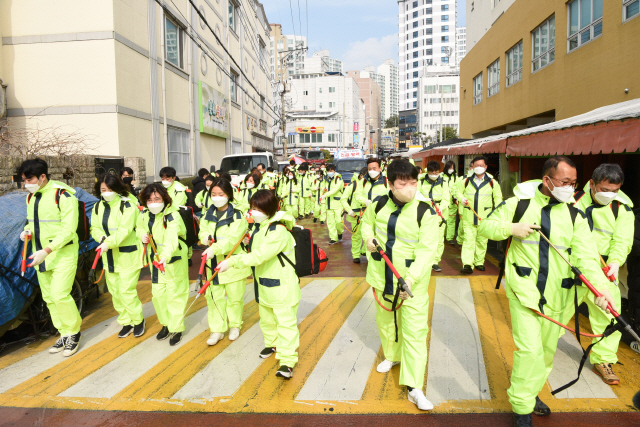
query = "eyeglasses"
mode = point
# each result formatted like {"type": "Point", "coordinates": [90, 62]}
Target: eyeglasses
{"type": "Point", "coordinates": [573, 184]}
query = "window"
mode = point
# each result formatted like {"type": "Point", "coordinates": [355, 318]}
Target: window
{"type": "Point", "coordinates": [320, 106]}
{"type": "Point", "coordinates": [415, 24]}
{"type": "Point", "coordinates": [429, 52]}
{"type": "Point", "coordinates": [477, 89]}
{"type": "Point", "coordinates": [443, 49]}
{"type": "Point", "coordinates": [415, 54]}
{"type": "Point", "coordinates": [332, 89]}
{"type": "Point", "coordinates": [232, 15]}
{"type": "Point", "coordinates": [233, 81]}
{"type": "Point", "coordinates": [444, 7]}
{"type": "Point", "coordinates": [331, 137]}
{"type": "Point", "coordinates": [415, 74]}
{"type": "Point", "coordinates": [415, 64]}
{"type": "Point", "coordinates": [179, 151]}
{"type": "Point", "coordinates": [415, 84]}
{"type": "Point", "coordinates": [415, 45]}
{"type": "Point", "coordinates": [543, 51]}
{"type": "Point", "coordinates": [493, 83]}
{"type": "Point", "coordinates": [630, 8]}
{"type": "Point", "coordinates": [429, 42]}
{"type": "Point", "coordinates": [445, 28]}
{"type": "Point", "coordinates": [305, 92]}
{"type": "Point", "coordinates": [445, 18]}
{"type": "Point", "coordinates": [428, 11]}
{"type": "Point", "coordinates": [305, 107]}
{"type": "Point", "coordinates": [514, 64]}
{"type": "Point", "coordinates": [444, 39]}
{"type": "Point", "coordinates": [414, 106]}
{"type": "Point", "coordinates": [415, 14]}
{"type": "Point", "coordinates": [415, 34]}
{"type": "Point", "coordinates": [319, 90]}
{"type": "Point", "coordinates": [429, 31]}
{"type": "Point", "coordinates": [415, 4]}
{"type": "Point", "coordinates": [444, 59]}
{"type": "Point", "coordinates": [585, 22]}
{"type": "Point", "coordinates": [428, 21]}
{"type": "Point", "coordinates": [332, 105]}
{"type": "Point", "coordinates": [173, 42]}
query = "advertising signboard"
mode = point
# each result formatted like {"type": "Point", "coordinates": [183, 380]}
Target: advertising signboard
{"type": "Point", "coordinates": [214, 115]}
{"type": "Point", "coordinates": [346, 154]}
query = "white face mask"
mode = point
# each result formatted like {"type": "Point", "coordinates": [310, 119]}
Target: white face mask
{"type": "Point", "coordinates": [330, 174]}
{"type": "Point", "coordinates": [290, 176]}
{"type": "Point", "coordinates": [250, 185]}
{"type": "Point", "coordinates": [433, 177]}
{"type": "Point", "coordinates": [155, 208]}
{"type": "Point", "coordinates": [32, 188]}
{"type": "Point", "coordinates": [219, 201]}
{"type": "Point", "coordinates": [166, 184]}
{"type": "Point", "coordinates": [109, 195]}
{"type": "Point", "coordinates": [374, 174]}
{"type": "Point", "coordinates": [258, 216]}
{"type": "Point", "coordinates": [406, 194]}
{"type": "Point", "coordinates": [562, 194]}
{"type": "Point", "coordinates": [479, 170]}
{"type": "Point", "coordinates": [451, 171]}
{"type": "Point", "coordinates": [605, 197]}
{"type": "Point", "coordinates": [208, 187]}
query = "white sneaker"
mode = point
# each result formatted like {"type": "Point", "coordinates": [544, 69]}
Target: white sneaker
{"type": "Point", "coordinates": [386, 366]}
{"type": "Point", "coordinates": [635, 346]}
{"type": "Point", "coordinates": [214, 338]}
{"type": "Point", "coordinates": [234, 333]}
{"type": "Point", "coordinates": [416, 396]}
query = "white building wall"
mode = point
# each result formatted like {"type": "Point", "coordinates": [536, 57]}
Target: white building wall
{"type": "Point", "coordinates": [439, 99]}
{"type": "Point", "coordinates": [390, 72]}
{"type": "Point", "coordinates": [461, 43]}
{"type": "Point", "coordinates": [370, 72]}
{"type": "Point", "coordinates": [481, 14]}
{"type": "Point", "coordinates": [279, 48]}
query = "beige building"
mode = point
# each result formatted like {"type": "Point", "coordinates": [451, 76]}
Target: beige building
{"type": "Point", "coordinates": [287, 54]}
{"type": "Point", "coordinates": [129, 75]}
{"type": "Point", "coordinates": [371, 96]}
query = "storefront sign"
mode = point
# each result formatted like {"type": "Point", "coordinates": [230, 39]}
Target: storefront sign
{"type": "Point", "coordinates": [356, 126]}
{"type": "Point", "coordinates": [214, 115]}
{"type": "Point", "coordinates": [251, 122]}
{"type": "Point", "coordinates": [311, 129]}
{"type": "Point", "coordinates": [346, 154]}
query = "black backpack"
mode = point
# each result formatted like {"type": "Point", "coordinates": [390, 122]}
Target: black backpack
{"type": "Point", "coordinates": [83, 227]}
{"type": "Point", "coordinates": [191, 223]}
{"type": "Point", "coordinates": [310, 259]}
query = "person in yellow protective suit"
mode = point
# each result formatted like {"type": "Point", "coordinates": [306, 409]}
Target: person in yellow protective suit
{"type": "Point", "coordinates": [203, 198]}
{"type": "Point", "coordinates": [271, 256]}
{"type": "Point", "coordinates": [319, 209]}
{"type": "Point", "coordinates": [114, 219]}
{"type": "Point", "coordinates": [435, 189]}
{"type": "Point", "coordinates": [161, 224]}
{"type": "Point", "coordinates": [241, 200]}
{"type": "Point", "coordinates": [266, 178]}
{"type": "Point", "coordinates": [450, 176]}
{"type": "Point", "coordinates": [222, 227]}
{"type": "Point", "coordinates": [289, 193]}
{"type": "Point", "coordinates": [611, 220]}
{"type": "Point", "coordinates": [52, 219]}
{"type": "Point", "coordinates": [375, 185]}
{"type": "Point", "coordinates": [306, 193]}
{"type": "Point", "coordinates": [331, 201]}
{"type": "Point", "coordinates": [313, 184]}
{"type": "Point", "coordinates": [354, 213]}
{"type": "Point", "coordinates": [177, 192]}
{"type": "Point", "coordinates": [537, 278]}
{"type": "Point", "coordinates": [483, 194]}
{"type": "Point", "coordinates": [406, 228]}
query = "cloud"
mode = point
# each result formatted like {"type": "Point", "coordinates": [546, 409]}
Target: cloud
{"type": "Point", "coordinates": [370, 52]}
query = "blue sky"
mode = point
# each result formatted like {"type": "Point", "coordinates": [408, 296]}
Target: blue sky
{"type": "Point", "coordinates": [358, 32]}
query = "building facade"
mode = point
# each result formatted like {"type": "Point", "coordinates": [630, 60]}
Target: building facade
{"type": "Point", "coordinates": [370, 72]}
{"type": "Point", "coordinates": [439, 105]}
{"type": "Point", "coordinates": [547, 61]}
{"type": "Point", "coordinates": [371, 96]}
{"type": "Point", "coordinates": [389, 70]}
{"type": "Point", "coordinates": [127, 74]}
{"type": "Point", "coordinates": [287, 54]}
{"type": "Point", "coordinates": [461, 43]}
{"type": "Point", "coordinates": [481, 15]}
{"type": "Point", "coordinates": [320, 62]}
{"type": "Point", "coordinates": [407, 126]}
{"type": "Point", "coordinates": [427, 36]}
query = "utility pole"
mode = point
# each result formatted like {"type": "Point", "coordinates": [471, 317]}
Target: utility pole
{"type": "Point", "coordinates": [284, 119]}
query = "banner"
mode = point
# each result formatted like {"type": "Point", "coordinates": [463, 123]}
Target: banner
{"type": "Point", "coordinates": [214, 115]}
{"type": "Point", "coordinates": [356, 126]}
{"type": "Point", "coordinates": [346, 154]}
{"type": "Point", "coordinates": [311, 129]}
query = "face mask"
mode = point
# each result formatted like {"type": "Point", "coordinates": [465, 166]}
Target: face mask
{"type": "Point", "coordinates": [166, 184]}
{"type": "Point", "coordinates": [219, 201]}
{"type": "Point", "coordinates": [479, 170]}
{"type": "Point", "coordinates": [155, 208]}
{"type": "Point", "coordinates": [250, 185]}
{"type": "Point", "coordinates": [258, 216]}
{"type": "Point", "coordinates": [562, 194]}
{"type": "Point", "coordinates": [433, 177]}
{"type": "Point", "coordinates": [605, 197]}
{"type": "Point", "coordinates": [451, 171]}
{"type": "Point", "coordinates": [330, 174]}
{"type": "Point", "coordinates": [406, 194]}
{"type": "Point", "coordinates": [208, 187]}
{"type": "Point", "coordinates": [109, 195]}
{"type": "Point", "coordinates": [322, 169]}
{"type": "Point", "coordinates": [127, 180]}
{"type": "Point", "coordinates": [32, 188]}
{"type": "Point", "coordinates": [290, 176]}
{"type": "Point", "coordinates": [374, 174]}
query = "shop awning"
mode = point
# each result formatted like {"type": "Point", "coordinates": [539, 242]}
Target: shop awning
{"type": "Point", "coordinates": [475, 146]}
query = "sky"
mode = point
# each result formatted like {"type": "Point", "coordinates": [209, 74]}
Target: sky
{"type": "Point", "coordinates": [358, 32]}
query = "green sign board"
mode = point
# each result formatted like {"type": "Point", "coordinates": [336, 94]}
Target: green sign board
{"type": "Point", "coordinates": [214, 114]}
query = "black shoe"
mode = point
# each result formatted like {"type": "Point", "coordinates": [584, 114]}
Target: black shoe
{"type": "Point", "coordinates": [339, 236]}
{"type": "Point", "coordinates": [321, 222]}
{"type": "Point", "coordinates": [356, 260]}
{"type": "Point", "coordinates": [436, 267]}
{"type": "Point", "coordinates": [125, 331]}
{"type": "Point", "coordinates": [315, 219]}
{"type": "Point", "coordinates": [466, 270]}
{"type": "Point", "coordinates": [190, 263]}
{"type": "Point", "coordinates": [268, 351]}
{"type": "Point", "coordinates": [58, 346]}
{"type": "Point", "coordinates": [71, 345]}
{"type": "Point", "coordinates": [300, 217]}
{"type": "Point", "coordinates": [139, 329]}
{"type": "Point", "coordinates": [163, 334]}
{"type": "Point", "coordinates": [541, 409]}
{"type": "Point", "coordinates": [284, 372]}
{"type": "Point", "coordinates": [451, 242]}
{"type": "Point", "coordinates": [175, 338]}
{"type": "Point", "coordinates": [522, 420]}
{"type": "Point", "coordinates": [332, 242]}
{"type": "Point", "coordinates": [480, 267]}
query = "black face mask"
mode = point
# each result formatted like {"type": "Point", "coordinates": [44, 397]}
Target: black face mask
{"type": "Point", "coordinates": [127, 180]}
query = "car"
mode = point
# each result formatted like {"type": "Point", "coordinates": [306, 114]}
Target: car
{"type": "Point", "coordinates": [348, 167]}
{"type": "Point", "coordinates": [239, 165]}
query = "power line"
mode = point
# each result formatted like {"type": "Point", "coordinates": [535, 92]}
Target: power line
{"type": "Point", "coordinates": [294, 25]}
{"type": "Point", "coordinates": [306, 9]}
{"type": "Point", "coordinates": [299, 21]}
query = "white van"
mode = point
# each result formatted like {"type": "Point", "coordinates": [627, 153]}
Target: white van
{"type": "Point", "coordinates": [239, 165]}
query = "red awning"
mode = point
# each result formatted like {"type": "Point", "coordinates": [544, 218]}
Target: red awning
{"type": "Point", "coordinates": [606, 137]}
{"type": "Point", "coordinates": [495, 146]}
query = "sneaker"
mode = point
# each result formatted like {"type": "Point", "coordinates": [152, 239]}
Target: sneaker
{"type": "Point", "coordinates": [451, 242]}
{"type": "Point", "coordinates": [522, 420]}
{"type": "Point", "coordinates": [635, 346]}
{"type": "Point", "coordinates": [466, 270]}
{"type": "Point", "coordinates": [332, 242]}
{"type": "Point", "coordinates": [339, 236]}
{"type": "Point", "coordinates": [386, 366]}
{"type": "Point", "coordinates": [234, 333]}
{"type": "Point", "coordinates": [268, 351]}
{"type": "Point", "coordinates": [606, 372]}
{"type": "Point", "coordinates": [284, 372]}
{"type": "Point", "coordinates": [163, 334]}
{"type": "Point", "coordinates": [214, 338]}
{"type": "Point", "coordinates": [436, 267]}
{"type": "Point", "coordinates": [58, 346]}
{"type": "Point", "coordinates": [176, 337]}
{"type": "Point", "coordinates": [480, 268]}
{"type": "Point", "coordinates": [356, 260]}
{"type": "Point", "coordinates": [417, 396]}
{"type": "Point", "coordinates": [139, 329]}
{"type": "Point", "coordinates": [300, 217]}
{"type": "Point", "coordinates": [321, 222]}
{"type": "Point", "coordinates": [71, 345]}
{"type": "Point", "coordinates": [125, 331]}
{"type": "Point", "coordinates": [315, 219]}
{"type": "Point", "coordinates": [190, 263]}
{"type": "Point", "coordinates": [541, 409]}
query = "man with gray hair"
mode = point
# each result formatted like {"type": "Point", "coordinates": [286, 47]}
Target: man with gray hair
{"type": "Point", "coordinates": [611, 220]}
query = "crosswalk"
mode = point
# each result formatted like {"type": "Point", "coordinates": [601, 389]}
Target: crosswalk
{"type": "Point", "coordinates": [469, 344]}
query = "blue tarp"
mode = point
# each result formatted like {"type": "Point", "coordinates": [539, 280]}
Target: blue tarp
{"type": "Point", "coordinates": [13, 213]}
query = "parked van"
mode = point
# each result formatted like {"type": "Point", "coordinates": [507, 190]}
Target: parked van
{"type": "Point", "coordinates": [239, 165]}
